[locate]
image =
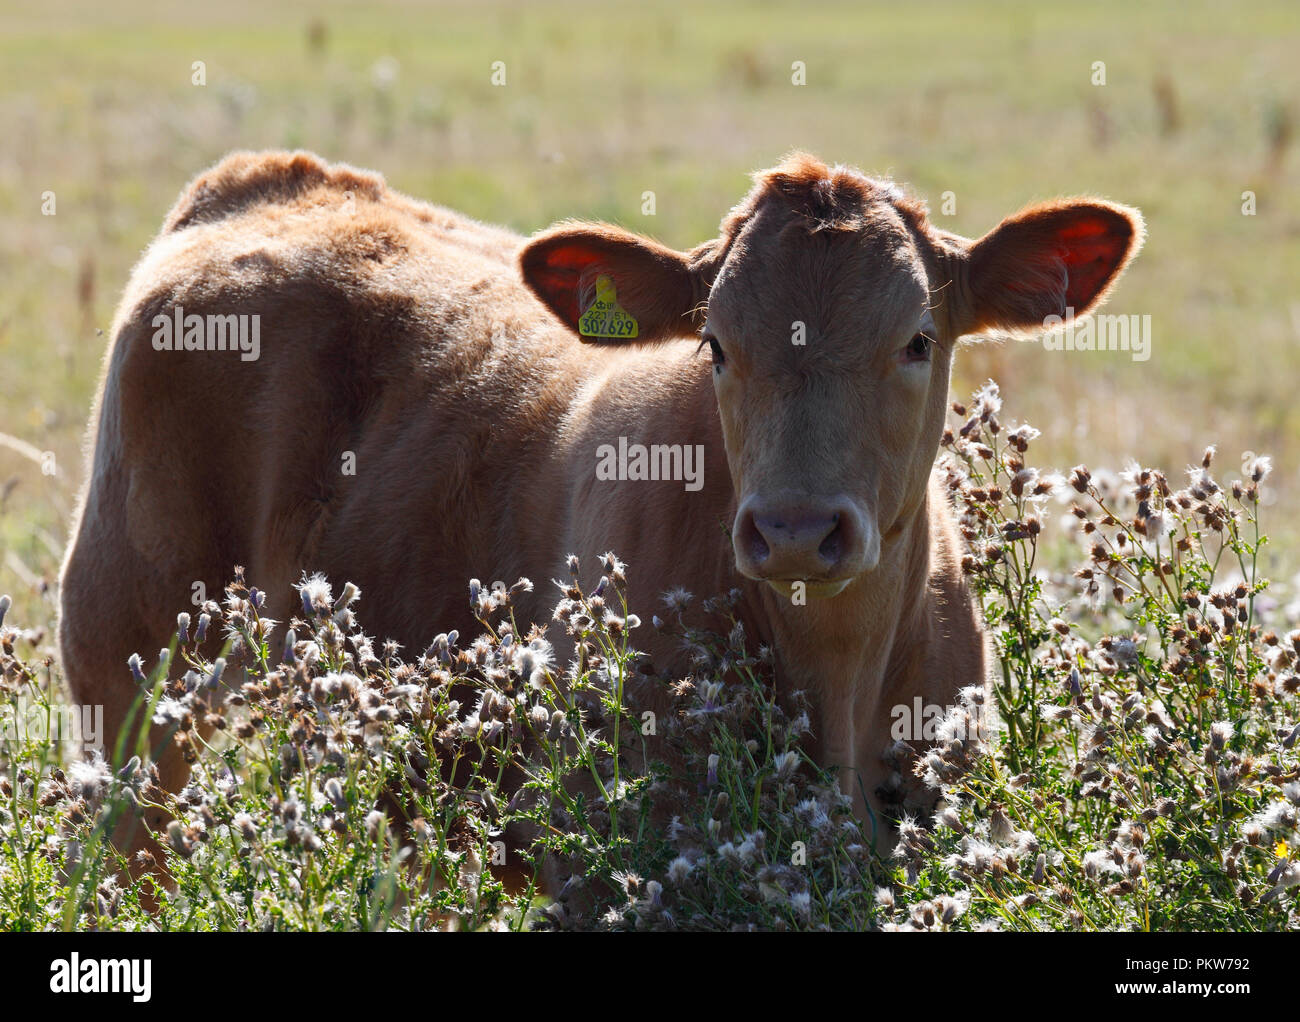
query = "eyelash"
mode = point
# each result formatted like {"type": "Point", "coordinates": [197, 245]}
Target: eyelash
{"type": "Point", "coordinates": [910, 354]}
{"type": "Point", "coordinates": [715, 349]}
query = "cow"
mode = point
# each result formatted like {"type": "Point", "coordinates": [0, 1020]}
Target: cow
{"type": "Point", "coordinates": [311, 372]}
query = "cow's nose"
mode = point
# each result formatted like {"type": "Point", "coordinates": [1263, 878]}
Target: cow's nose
{"type": "Point", "coordinates": [811, 541]}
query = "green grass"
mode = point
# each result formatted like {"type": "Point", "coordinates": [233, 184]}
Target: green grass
{"type": "Point", "coordinates": [1135, 764]}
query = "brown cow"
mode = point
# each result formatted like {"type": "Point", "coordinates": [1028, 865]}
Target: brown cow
{"type": "Point", "coordinates": [415, 406]}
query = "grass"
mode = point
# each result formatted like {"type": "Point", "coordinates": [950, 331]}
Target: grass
{"type": "Point", "coordinates": [1135, 766]}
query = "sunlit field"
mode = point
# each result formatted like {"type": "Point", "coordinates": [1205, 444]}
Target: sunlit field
{"type": "Point", "coordinates": [522, 114]}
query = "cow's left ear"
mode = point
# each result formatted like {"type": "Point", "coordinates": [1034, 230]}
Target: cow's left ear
{"type": "Point", "coordinates": [1052, 259]}
{"type": "Point", "coordinates": [610, 285]}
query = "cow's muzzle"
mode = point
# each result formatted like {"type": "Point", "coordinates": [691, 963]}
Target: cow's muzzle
{"type": "Point", "coordinates": [824, 543]}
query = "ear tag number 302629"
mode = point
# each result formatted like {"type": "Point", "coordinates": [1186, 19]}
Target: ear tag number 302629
{"type": "Point", "coordinates": [606, 318]}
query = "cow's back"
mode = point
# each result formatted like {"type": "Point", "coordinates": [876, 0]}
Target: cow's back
{"type": "Point", "coordinates": [405, 377]}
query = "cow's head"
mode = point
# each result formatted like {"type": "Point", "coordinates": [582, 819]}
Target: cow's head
{"type": "Point", "coordinates": [830, 307]}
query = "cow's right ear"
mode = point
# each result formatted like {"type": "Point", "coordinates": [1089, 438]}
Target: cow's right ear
{"type": "Point", "coordinates": [610, 285]}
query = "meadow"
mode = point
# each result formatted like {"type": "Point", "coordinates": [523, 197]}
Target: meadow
{"type": "Point", "coordinates": [980, 109]}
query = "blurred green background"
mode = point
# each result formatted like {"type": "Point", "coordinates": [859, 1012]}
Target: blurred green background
{"type": "Point", "coordinates": [992, 101]}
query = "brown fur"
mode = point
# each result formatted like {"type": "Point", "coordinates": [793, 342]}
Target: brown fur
{"type": "Point", "coordinates": [415, 338]}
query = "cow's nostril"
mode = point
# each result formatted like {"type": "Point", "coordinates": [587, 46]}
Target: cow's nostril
{"type": "Point", "coordinates": [831, 548]}
{"type": "Point", "coordinates": [750, 539]}
{"type": "Point", "coordinates": [798, 540]}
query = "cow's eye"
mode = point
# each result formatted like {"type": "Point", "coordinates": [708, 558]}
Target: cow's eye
{"type": "Point", "coordinates": [918, 349]}
{"type": "Point", "coordinates": [716, 350]}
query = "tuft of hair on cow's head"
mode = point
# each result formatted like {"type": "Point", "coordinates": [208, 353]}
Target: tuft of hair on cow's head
{"type": "Point", "coordinates": [831, 306]}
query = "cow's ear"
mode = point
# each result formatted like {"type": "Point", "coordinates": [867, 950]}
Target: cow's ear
{"type": "Point", "coordinates": [1047, 260]}
{"type": "Point", "coordinates": [610, 285]}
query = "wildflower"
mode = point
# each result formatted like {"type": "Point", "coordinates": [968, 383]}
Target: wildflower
{"type": "Point", "coordinates": [811, 812]}
{"type": "Point", "coordinates": [923, 914]}
{"type": "Point", "coordinates": [534, 660]}
{"type": "Point", "coordinates": [1202, 484]}
{"type": "Point", "coordinates": [629, 881]}
{"type": "Point", "coordinates": [710, 699]}
{"type": "Point", "coordinates": [349, 594]}
{"type": "Point", "coordinates": [950, 909]}
{"type": "Point", "coordinates": [1288, 877]}
{"type": "Point", "coordinates": [679, 869]}
{"type": "Point", "coordinates": [1221, 733]}
{"type": "Point", "coordinates": [1023, 480]}
{"type": "Point", "coordinates": [785, 763]}
{"type": "Point", "coordinates": [1021, 437]}
{"type": "Point", "coordinates": [1099, 861]}
{"type": "Point", "coordinates": [334, 792]}
{"type": "Point", "coordinates": [1258, 467]}
{"type": "Point", "coordinates": [375, 822]}
{"type": "Point", "coordinates": [677, 598]}
{"type": "Point", "coordinates": [614, 568]}
{"type": "Point", "coordinates": [752, 846]}
{"type": "Point", "coordinates": [1155, 738]}
{"type": "Point", "coordinates": [987, 401]}
{"type": "Point", "coordinates": [170, 711]}
{"type": "Point", "coordinates": [1000, 828]}
{"type": "Point", "coordinates": [316, 595]}
{"type": "Point", "coordinates": [654, 891]}
{"type": "Point", "coordinates": [1124, 651]}
{"type": "Point", "coordinates": [90, 776]}
{"type": "Point", "coordinates": [179, 840]}
{"type": "Point", "coordinates": [1277, 817]}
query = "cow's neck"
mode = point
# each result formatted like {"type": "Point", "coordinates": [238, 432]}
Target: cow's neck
{"type": "Point", "coordinates": [856, 654]}
{"type": "Point", "coordinates": [854, 634]}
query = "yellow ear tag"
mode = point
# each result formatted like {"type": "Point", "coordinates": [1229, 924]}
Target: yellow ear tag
{"type": "Point", "coordinates": [606, 318]}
